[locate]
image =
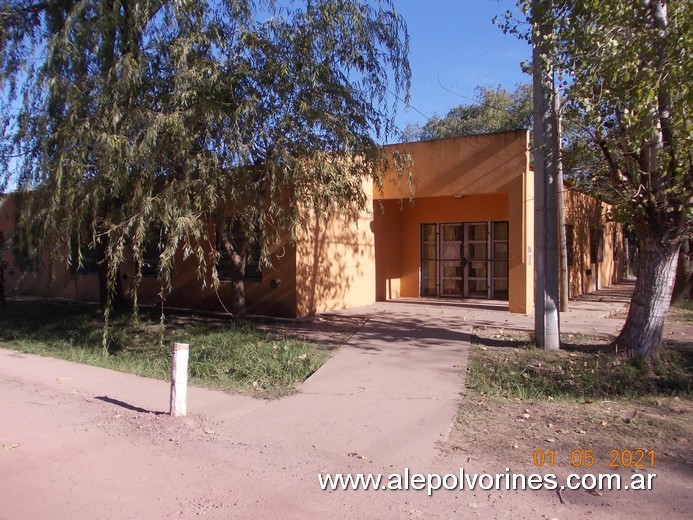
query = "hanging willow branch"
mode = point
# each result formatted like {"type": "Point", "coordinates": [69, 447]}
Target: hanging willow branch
{"type": "Point", "coordinates": [137, 120]}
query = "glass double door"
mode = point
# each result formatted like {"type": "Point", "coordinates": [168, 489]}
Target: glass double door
{"type": "Point", "coordinates": [466, 259]}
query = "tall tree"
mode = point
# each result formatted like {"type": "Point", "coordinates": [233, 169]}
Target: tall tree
{"type": "Point", "coordinates": [129, 119]}
{"type": "Point", "coordinates": [496, 110]}
{"type": "Point", "coordinates": [3, 252]}
{"type": "Point", "coordinates": [683, 287]}
{"type": "Point", "coordinates": [629, 87]}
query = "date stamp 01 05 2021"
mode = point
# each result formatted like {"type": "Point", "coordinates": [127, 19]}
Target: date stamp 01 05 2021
{"type": "Point", "coordinates": [586, 458]}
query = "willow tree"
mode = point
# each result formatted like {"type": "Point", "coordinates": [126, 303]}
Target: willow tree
{"type": "Point", "coordinates": [134, 119]}
{"type": "Point", "coordinates": [629, 77]}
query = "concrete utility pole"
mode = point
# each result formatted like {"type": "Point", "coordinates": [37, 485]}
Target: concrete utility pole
{"type": "Point", "coordinates": [546, 314]}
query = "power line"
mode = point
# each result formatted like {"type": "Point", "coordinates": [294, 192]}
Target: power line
{"type": "Point", "coordinates": [478, 148]}
{"type": "Point", "coordinates": [408, 104]}
{"type": "Point", "coordinates": [476, 100]}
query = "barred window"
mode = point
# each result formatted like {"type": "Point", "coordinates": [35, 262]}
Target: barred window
{"type": "Point", "coordinates": [231, 228]}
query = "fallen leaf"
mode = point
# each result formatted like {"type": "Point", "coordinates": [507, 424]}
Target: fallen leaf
{"type": "Point", "coordinates": [630, 419]}
{"type": "Point", "coordinates": [595, 492]}
{"type": "Point", "coordinates": [10, 446]}
{"type": "Point", "coordinates": [357, 455]}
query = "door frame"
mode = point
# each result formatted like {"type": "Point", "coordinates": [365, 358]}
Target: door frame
{"type": "Point", "coordinates": [426, 259]}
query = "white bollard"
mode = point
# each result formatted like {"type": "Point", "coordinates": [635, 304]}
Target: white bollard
{"type": "Point", "coordinates": [179, 378]}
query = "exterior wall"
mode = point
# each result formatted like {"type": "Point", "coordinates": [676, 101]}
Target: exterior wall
{"type": "Point", "coordinates": [389, 240]}
{"type": "Point", "coordinates": [463, 179]}
{"type": "Point", "coordinates": [522, 236]}
{"type": "Point", "coordinates": [56, 280]}
{"type": "Point", "coordinates": [335, 261]}
{"type": "Point", "coordinates": [188, 291]}
{"type": "Point", "coordinates": [331, 266]}
{"type": "Point", "coordinates": [585, 213]}
{"type": "Point", "coordinates": [341, 260]}
{"type": "Point", "coordinates": [461, 165]}
{"type": "Point", "coordinates": [61, 283]}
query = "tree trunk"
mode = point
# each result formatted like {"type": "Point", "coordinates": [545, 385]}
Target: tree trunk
{"type": "Point", "coordinates": [238, 286]}
{"type": "Point", "coordinates": [2, 268]}
{"type": "Point", "coordinates": [642, 332]}
{"type": "Point", "coordinates": [564, 277]}
{"type": "Point", "coordinates": [683, 288]}
{"type": "Point", "coordinates": [2, 282]}
{"type": "Point", "coordinates": [235, 245]}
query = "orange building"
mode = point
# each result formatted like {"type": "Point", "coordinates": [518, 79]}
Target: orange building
{"type": "Point", "coordinates": [466, 231]}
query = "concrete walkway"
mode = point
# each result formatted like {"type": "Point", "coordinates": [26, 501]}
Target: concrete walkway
{"type": "Point", "coordinates": [381, 404]}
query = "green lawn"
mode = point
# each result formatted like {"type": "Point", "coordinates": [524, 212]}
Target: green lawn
{"type": "Point", "coordinates": [223, 354]}
{"type": "Point", "coordinates": [507, 364]}
{"type": "Point", "coordinates": [531, 373]}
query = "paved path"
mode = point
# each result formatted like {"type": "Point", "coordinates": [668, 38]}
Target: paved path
{"type": "Point", "coordinates": [84, 434]}
{"type": "Point", "coordinates": [83, 442]}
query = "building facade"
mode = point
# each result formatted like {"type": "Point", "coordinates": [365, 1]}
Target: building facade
{"type": "Point", "coordinates": [463, 231]}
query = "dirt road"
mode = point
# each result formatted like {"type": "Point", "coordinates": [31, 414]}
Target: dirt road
{"type": "Point", "coordinates": [81, 442]}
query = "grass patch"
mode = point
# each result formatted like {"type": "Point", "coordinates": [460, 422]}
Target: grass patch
{"type": "Point", "coordinates": [589, 370]}
{"type": "Point", "coordinates": [584, 396]}
{"type": "Point", "coordinates": [223, 354]}
{"type": "Point", "coordinates": [681, 313]}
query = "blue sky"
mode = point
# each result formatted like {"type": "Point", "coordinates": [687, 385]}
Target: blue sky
{"type": "Point", "coordinates": [455, 47]}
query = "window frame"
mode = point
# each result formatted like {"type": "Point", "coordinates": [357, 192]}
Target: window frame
{"type": "Point", "coordinates": [90, 261]}
{"type": "Point", "coordinates": [23, 260]}
{"type": "Point", "coordinates": [570, 244]}
{"type": "Point", "coordinates": [151, 255]}
{"type": "Point", "coordinates": [253, 270]}
{"type": "Point", "coordinates": [596, 245]}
